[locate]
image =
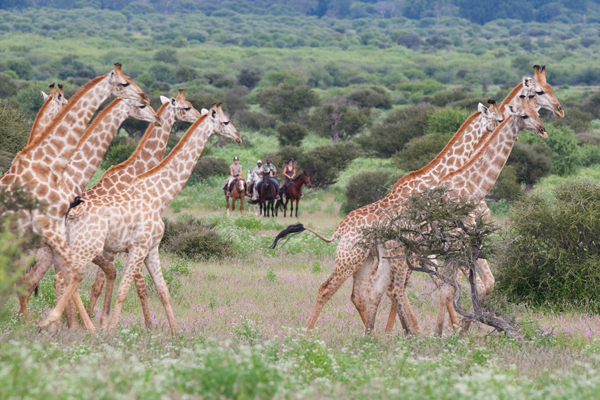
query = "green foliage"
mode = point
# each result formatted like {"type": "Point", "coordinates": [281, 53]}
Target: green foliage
{"type": "Point", "coordinates": [280, 157]}
{"type": "Point", "coordinates": [553, 255]}
{"type": "Point", "coordinates": [397, 129]}
{"type": "Point", "coordinates": [565, 152]}
{"type": "Point", "coordinates": [427, 86]}
{"type": "Point", "coordinates": [339, 121]}
{"type": "Point", "coordinates": [185, 74]}
{"type": "Point", "coordinates": [287, 101]}
{"type": "Point", "coordinates": [324, 163]}
{"type": "Point", "coordinates": [270, 275]}
{"type": "Point", "coordinates": [166, 56]}
{"type": "Point", "coordinates": [531, 162]}
{"type": "Point", "coordinates": [120, 149]}
{"type": "Point", "coordinates": [576, 120]}
{"type": "Point", "coordinates": [447, 120]}
{"type": "Point", "coordinates": [21, 67]}
{"type": "Point", "coordinates": [31, 99]}
{"type": "Point", "coordinates": [366, 188]}
{"type": "Point", "coordinates": [507, 188]}
{"type": "Point", "coordinates": [193, 238]}
{"type": "Point", "coordinates": [248, 78]}
{"type": "Point", "coordinates": [371, 97]}
{"type": "Point", "coordinates": [291, 134]}
{"type": "Point", "coordinates": [7, 86]}
{"type": "Point", "coordinates": [420, 151]}
{"type": "Point", "coordinates": [14, 133]}
{"type": "Point", "coordinates": [210, 166]}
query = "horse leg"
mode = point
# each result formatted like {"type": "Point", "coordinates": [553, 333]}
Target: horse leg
{"type": "Point", "coordinates": [242, 204]}
{"type": "Point", "coordinates": [227, 200]}
{"type": "Point", "coordinates": [297, 201]}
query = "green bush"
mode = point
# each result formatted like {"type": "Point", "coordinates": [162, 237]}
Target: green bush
{"type": "Point", "coordinates": [291, 134]}
{"type": "Point", "coordinates": [398, 128]}
{"type": "Point", "coordinates": [31, 99]}
{"type": "Point", "coordinates": [210, 166]}
{"type": "Point", "coordinates": [14, 133]}
{"type": "Point", "coordinates": [420, 151]}
{"type": "Point", "coordinates": [442, 99]}
{"type": "Point", "coordinates": [531, 162]}
{"type": "Point", "coordinates": [248, 78]}
{"type": "Point", "coordinates": [120, 149]}
{"type": "Point", "coordinates": [507, 187]}
{"type": "Point", "coordinates": [447, 120]}
{"type": "Point", "coordinates": [553, 254]}
{"type": "Point", "coordinates": [578, 121]}
{"type": "Point", "coordinates": [339, 121]}
{"type": "Point", "coordinates": [366, 188]}
{"type": "Point", "coordinates": [194, 238]}
{"type": "Point", "coordinates": [280, 157]}
{"type": "Point", "coordinates": [325, 163]}
{"type": "Point", "coordinates": [565, 152]}
{"type": "Point", "coordinates": [7, 86]}
{"type": "Point", "coordinates": [371, 97]}
{"type": "Point", "coordinates": [427, 86]}
{"type": "Point", "coordinates": [287, 101]}
{"type": "Point", "coordinates": [186, 74]}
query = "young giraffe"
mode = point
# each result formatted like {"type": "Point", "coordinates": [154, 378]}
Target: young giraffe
{"type": "Point", "coordinates": [474, 180]}
{"type": "Point", "coordinates": [40, 165]}
{"type": "Point", "coordinates": [82, 166]}
{"type": "Point", "coordinates": [148, 154]}
{"type": "Point", "coordinates": [131, 219]}
{"type": "Point", "coordinates": [352, 259]}
{"type": "Point", "coordinates": [53, 103]}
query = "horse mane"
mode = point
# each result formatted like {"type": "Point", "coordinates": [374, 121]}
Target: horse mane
{"type": "Point", "coordinates": [298, 177]}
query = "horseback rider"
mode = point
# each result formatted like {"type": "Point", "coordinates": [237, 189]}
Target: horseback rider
{"type": "Point", "coordinates": [258, 171]}
{"type": "Point", "coordinates": [269, 170]}
{"type": "Point", "coordinates": [289, 172]}
{"type": "Point", "coordinates": [235, 170]}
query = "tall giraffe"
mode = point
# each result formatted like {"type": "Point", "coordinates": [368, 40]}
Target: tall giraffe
{"type": "Point", "coordinates": [131, 219]}
{"type": "Point", "coordinates": [41, 164]}
{"type": "Point", "coordinates": [353, 260]}
{"type": "Point", "coordinates": [473, 180]}
{"type": "Point", "coordinates": [53, 103]}
{"type": "Point", "coordinates": [83, 164]}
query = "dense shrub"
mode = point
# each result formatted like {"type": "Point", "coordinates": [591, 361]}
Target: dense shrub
{"type": "Point", "coordinates": [256, 120]}
{"type": "Point", "coordinates": [31, 99]}
{"type": "Point", "coordinates": [120, 149]}
{"type": "Point", "coordinates": [366, 188]}
{"type": "Point", "coordinates": [397, 129]}
{"type": "Point", "coordinates": [339, 121]}
{"type": "Point", "coordinates": [531, 162]}
{"type": "Point", "coordinates": [442, 99]}
{"type": "Point", "coordinates": [287, 101]}
{"type": "Point", "coordinates": [578, 121]}
{"type": "Point", "coordinates": [14, 134]}
{"type": "Point", "coordinates": [210, 166]}
{"type": "Point", "coordinates": [185, 74]}
{"type": "Point", "coordinates": [325, 163]}
{"type": "Point", "coordinates": [7, 86]}
{"type": "Point", "coordinates": [447, 120]}
{"type": "Point", "coordinates": [193, 238]}
{"type": "Point", "coordinates": [554, 253]}
{"type": "Point", "coordinates": [420, 151]}
{"type": "Point", "coordinates": [371, 97]}
{"type": "Point", "coordinates": [565, 152]}
{"type": "Point", "coordinates": [248, 78]}
{"type": "Point", "coordinates": [291, 134]}
{"type": "Point", "coordinates": [280, 157]}
{"type": "Point", "coordinates": [507, 186]}
{"type": "Point", "coordinates": [427, 86]}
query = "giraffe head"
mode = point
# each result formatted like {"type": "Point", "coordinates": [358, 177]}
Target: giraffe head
{"type": "Point", "coordinates": [57, 99]}
{"type": "Point", "coordinates": [221, 124]}
{"type": "Point", "coordinates": [122, 86]}
{"type": "Point", "coordinates": [544, 97]}
{"type": "Point", "coordinates": [142, 112]}
{"type": "Point", "coordinates": [183, 109]}
{"type": "Point", "coordinates": [527, 117]}
{"type": "Point", "coordinates": [62, 100]}
{"type": "Point", "coordinates": [492, 117]}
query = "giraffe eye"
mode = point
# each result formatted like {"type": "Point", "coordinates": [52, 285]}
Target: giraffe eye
{"type": "Point", "coordinates": [500, 121]}
{"type": "Point", "coordinates": [524, 116]}
{"type": "Point", "coordinates": [541, 92]}
{"type": "Point", "coordinates": [187, 108]}
{"type": "Point", "coordinates": [125, 84]}
{"type": "Point", "coordinates": [143, 106]}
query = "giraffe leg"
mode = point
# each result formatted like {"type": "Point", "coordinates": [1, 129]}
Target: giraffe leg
{"type": "Point", "coordinates": [398, 294]}
{"type": "Point", "coordinates": [106, 263]}
{"type": "Point", "coordinates": [97, 286]}
{"type": "Point", "coordinates": [142, 291]}
{"type": "Point", "coordinates": [380, 279]}
{"type": "Point", "coordinates": [389, 327]}
{"type": "Point", "coordinates": [32, 278]}
{"type": "Point", "coordinates": [361, 287]}
{"type": "Point", "coordinates": [61, 280]}
{"type": "Point", "coordinates": [348, 260]}
{"type": "Point", "coordinates": [153, 265]}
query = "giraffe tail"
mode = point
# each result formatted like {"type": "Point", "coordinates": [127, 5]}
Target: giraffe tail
{"type": "Point", "coordinates": [294, 230]}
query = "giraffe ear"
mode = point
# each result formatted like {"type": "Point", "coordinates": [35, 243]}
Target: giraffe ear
{"type": "Point", "coordinates": [482, 109]}
{"type": "Point", "coordinates": [44, 95]}
{"type": "Point", "coordinates": [511, 110]}
{"type": "Point", "coordinates": [128, 101]}
{"type": "Point", "coordinates": [203, 111]}
{"type": "Point", "coordinates": [164, 100]}
{"type": "Point", "coordinates": [527, 82]}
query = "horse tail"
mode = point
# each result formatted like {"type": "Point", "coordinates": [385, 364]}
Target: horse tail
{"type": "Point", "coordinates": [294, 230]}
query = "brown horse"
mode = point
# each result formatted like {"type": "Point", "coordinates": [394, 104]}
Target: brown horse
{"type": "Point", "coordinates": [294, 192]}
{"type": "Point", "coordinates": [238, 192]}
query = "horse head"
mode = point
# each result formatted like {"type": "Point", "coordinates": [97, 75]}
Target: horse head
{"type": "Point", "coordinates": [241, 184]}
{"type": "Point", "coordinates": [307, 179]}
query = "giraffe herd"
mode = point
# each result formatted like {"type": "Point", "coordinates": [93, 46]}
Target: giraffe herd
{"type": "Point", "coordinates": [122, 212]}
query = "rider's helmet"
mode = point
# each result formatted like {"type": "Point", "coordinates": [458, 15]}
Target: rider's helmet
{"type": "Point", "coordinates": [235, 158]}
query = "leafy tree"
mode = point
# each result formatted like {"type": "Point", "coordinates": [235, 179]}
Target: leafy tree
{"type": "Point", "coordinates": [166, 56]}
{"type": "Point", "coordinates": [325, 163]}
{"type": "Point", "coordinates": [531, 162]}
{"type": "Point", "coordinates": [21, 67]}
{"type": "Point", "coordinates": [120, 149]}
{"type": "Point", "coordinates": [420, 151]}
{"type": "Point", "coordinates": [506, 186]}
{"type": "Point", "coordinates": [248, 78]}
{"type": "Point", "coordinates": [210, 166]}
{"type": "Point", "coordinates": [291, 134]}
{"type": "Point", "coordinates": [186, 74]}
{"type": "Point", "coordinates": [339, 121]}
{"type": "Point", "coordinates": [7, 86]}
{"type": "Point", "coordinates": [219, 80]}
{"type": "Point", "coordinates": [366, 188]}
{"type": "Point", "coordinates": [372, 97]}
{"type": "Point", "coordinates": [235, 100]}
{"type": "Point", "coordinates": [447, 120]}
{"type": "Point", "coordinates": [287, 101]}
{"type": "Point", "coordinates": [163, 72]}
{"type": "Point", "coordinates": [14, 133]}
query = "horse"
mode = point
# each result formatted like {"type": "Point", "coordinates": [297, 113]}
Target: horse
{"type": "Point", "coordinates": [266, 198]}
{"type": "Point", "coordinates": [294, 192]}
{"type": "Point", "coordinates": [250, 182]}
{"type": "Point", "coordinates": [238, 192]}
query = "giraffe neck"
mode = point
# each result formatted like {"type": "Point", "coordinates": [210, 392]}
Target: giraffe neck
{"type": "Point", "coordinates": [118, 177]}
{"type": "Point", "coordinates": [163, 182]}
{"type": "Point", "coordinates": [92, 147]}
{"type": "Point", "coordinates": [456, 153]}
{"type": "Point", "coordinates": [512, 99]}
{"type": "Point", "coordinates": [53, 148]}
{"type": "Point", "coordinates": [44, 116]}
{"type": "Point", "coordinates": [478, 176]}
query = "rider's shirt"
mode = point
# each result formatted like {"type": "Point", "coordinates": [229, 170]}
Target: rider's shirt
{"type": "Point", "coordinates": [268, 170]}
{"type": "Point", "coordinates": [289, 171]}
{"type": "Point", "coordinates": [257, 170]}
{"type": "Point", "coordinates": [236, 169]}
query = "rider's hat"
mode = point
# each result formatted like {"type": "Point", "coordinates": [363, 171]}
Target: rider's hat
{"type": "Point", "coordinates": [259, 162]}
{"type": "Point", "coordinates": [235, 158]}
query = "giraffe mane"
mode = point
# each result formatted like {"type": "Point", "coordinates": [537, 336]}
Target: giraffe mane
{"type": "Point", "coordinates": [61, 114]}
{"type": "Point", "coordinates": [186, 137]}
{"type": "Point", "coordinates": [41, 113]}
{"type": "Point", "coordinates": [428, 167]}
{"type": "Point", "coordinates": [511, 95]}
{"type": "Point", "coordinates": [483, 148]}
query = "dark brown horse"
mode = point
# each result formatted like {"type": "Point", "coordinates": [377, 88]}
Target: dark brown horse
{"type": "Point", "coordinates": [266, 197]}
{"type": "Point", "coordinates": [238, 192]}
{"type": "Point", "coordinates": [294, 192]}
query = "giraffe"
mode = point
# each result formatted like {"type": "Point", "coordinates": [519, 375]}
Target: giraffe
{"type": "Point", "coordinates": [353, 260]}
{"type": "Point", "coordinates": [41, 164]}
{"type": "Point", "coordinates": [149, 153]}
{"type": "Point", "coordinates": [474, 180]}
{"type": "Point", "coordinates": [131, 219]}
{"type": "Point", "coordinates": [82, 166]}
{"type": "Point", "coordinates": [53, 103]}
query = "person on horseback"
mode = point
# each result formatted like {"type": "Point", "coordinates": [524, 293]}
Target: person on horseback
{"type": "Point", "coordinates": [289, 172]}
{"type": "Point", "coordinates": [254, 187]}
{"type": "Point", "coordinates": [269, 171]}
{"type": "Point", "coordinates": [235, 170]}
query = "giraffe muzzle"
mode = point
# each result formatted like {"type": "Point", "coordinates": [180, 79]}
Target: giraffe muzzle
{"type": "Point", "coordinates": [542, 132]}
{"type": "Point", "coordinates": [559, 111]}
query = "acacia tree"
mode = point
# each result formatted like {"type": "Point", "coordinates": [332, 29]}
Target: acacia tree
{"type": "Point", "coordinates": [340, 121]}
{"type": "Point", "coordinates": [437, 223]}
